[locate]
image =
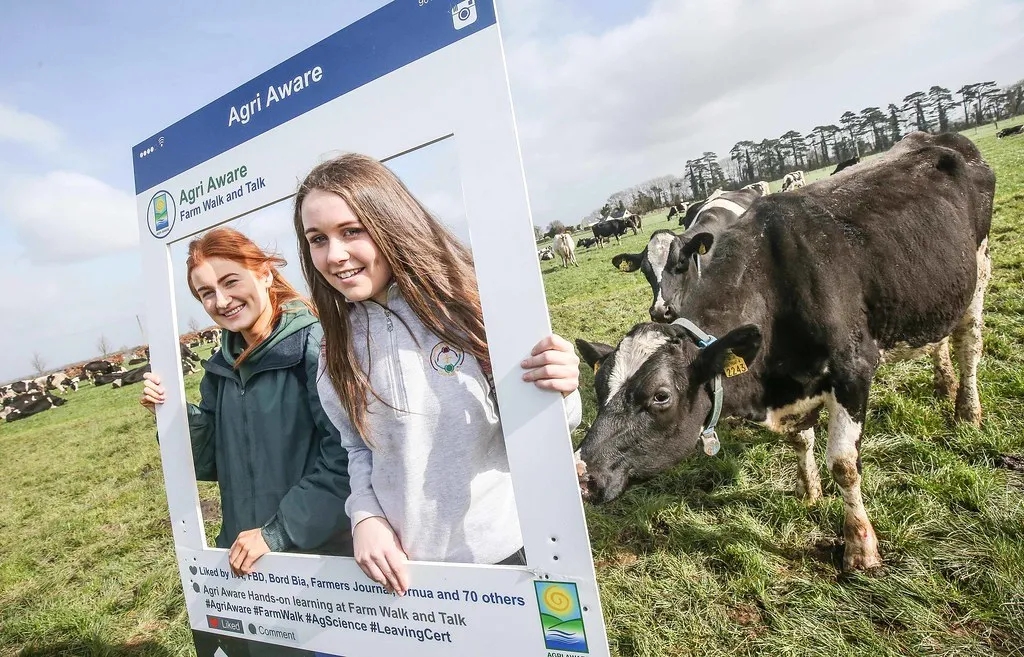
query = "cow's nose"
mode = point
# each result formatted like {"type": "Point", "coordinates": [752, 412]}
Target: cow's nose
{"type": "Point", "coordinates": [663, 315]}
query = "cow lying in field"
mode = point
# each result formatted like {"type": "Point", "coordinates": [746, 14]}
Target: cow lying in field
{"type": "Point", "coordinates": [1007, 132]}
{"type": "Point", "coordinates": [806, 293]}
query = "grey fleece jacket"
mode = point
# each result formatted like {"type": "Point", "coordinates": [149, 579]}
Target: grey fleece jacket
{"type": "Point", "coordinates": [438, 470]}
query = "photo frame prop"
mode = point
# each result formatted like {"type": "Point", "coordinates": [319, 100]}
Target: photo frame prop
{"type": "Point", "coordinates": [410, 74]}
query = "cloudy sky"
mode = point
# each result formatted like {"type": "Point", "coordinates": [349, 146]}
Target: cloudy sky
{"type": "Point", "coordinates": [607, 94]}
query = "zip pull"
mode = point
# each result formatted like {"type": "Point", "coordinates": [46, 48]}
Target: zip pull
{"type": "Point", "coordinates": [387, 316]}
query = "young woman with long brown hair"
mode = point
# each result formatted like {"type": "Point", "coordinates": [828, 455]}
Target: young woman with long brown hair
{"type": "Point", "coordinates": [405, 374]}
{"type": "Point", "coordinates": [259, 429]}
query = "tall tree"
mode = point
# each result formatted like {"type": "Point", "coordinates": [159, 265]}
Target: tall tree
{"type": "Point", "coordinates": [103, 345]}
{"type": "Point", "coordinates": [983, 92]}
{"type": "Point", "coordinates": [824, 133]}
{"type": "Point", "coordinates": [872, 118]}
{"type": "Point", "coordinates": [917, 102]}
{"type": "Point", "coordinates": [967, 94]}
{"type": "Point", "coordinates": [895, 130]}
{"type": "Point", "coordinates": [851, 124]}
{"type": "Point", "coordinates": [941, 101]}
{"type": "Point", "coordinates": [795, 144]}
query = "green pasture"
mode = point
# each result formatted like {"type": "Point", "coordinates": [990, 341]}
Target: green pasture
{"type": "Point", "coordinates": [716, 557]}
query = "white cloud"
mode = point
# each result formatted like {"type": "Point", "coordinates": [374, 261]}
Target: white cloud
{"type": "Point", "coordinates": [65, 216]}
{"type": "Point", "coordinates": [602, 110]}
{"type": "Point", "coordinates": [25, 128]}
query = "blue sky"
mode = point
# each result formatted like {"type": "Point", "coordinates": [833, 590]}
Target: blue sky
{"type": "Point", "coordinates": [607, 94]}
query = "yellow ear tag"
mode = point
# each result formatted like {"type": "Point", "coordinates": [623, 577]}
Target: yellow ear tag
{"type": "Point", "coordinates": [734, 365]}
{"type": "Point", "coordinates": [702, 249]}
{"type": "Point", "coordinates": [597, 366]}
{"type": "Point", "coordinates": [624, 265]}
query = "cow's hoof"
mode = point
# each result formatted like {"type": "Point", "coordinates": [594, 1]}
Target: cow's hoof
{"type": "Point", "coordinates": [861, 558]}
{"type": "Point", "coordinates": [969, 416]}
{"type": "Point", "coordinates": [809, 494]}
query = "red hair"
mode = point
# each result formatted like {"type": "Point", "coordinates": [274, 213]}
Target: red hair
{"type": "Point", "coordinates": [229, 244]}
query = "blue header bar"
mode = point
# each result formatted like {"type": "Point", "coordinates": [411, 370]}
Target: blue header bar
{"type": "Point", "coordinates": [395, 35]}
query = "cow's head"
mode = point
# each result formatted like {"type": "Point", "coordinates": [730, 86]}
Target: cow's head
{"type": "Point", "coordinates": [651, 261]}
{"type": "Point", "coordinates": [686, 256]}
{"type": "Point", "coordinates": [653, 401]}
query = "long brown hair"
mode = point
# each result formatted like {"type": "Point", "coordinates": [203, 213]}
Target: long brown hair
{"type": "Point", "coordinates": [432, 269]}
{"type": "Point", "coordinates": [229, 244]}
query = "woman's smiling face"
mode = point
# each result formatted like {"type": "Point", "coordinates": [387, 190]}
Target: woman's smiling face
{"type": "Point", "coordinates": [233, 296]}
{"type": "Point", "coordinates": [342, 250]}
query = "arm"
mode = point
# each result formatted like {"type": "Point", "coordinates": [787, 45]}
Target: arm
{"type": "Point", "coordinates": [201, 423]}
{"type": "Point", "coordinates": [313, 511]}
{"type": "Point", "coordinates": [202, 431]}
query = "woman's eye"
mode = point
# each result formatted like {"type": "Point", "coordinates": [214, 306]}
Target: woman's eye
{"type": "Point", "coordinates": [351, 232]}
{"type": "Point", "coordinates": [316, 239]}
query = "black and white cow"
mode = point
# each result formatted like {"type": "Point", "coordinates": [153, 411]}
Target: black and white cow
{"type": "Point", "coordinates": [717, 212]}
{"type": "Point", "coordinates": [28, 385]}
{"type": "Point", "coordinates": [131, 376]}
{"type": "Point", "coordinates": [612, 228]}
{"type": "Point", "coordinates": [807, 291]}
{"type": "Point", "coordinates": [793, 180]}
{"type": "Point", "coordinates": [677, 210]}
{"type": "Point", "coordinates": [586, 242]}
{"type": "Point", "coordinates": [107, 377]}
{"type": "Point", "coordinates": [845, 164]}
{"type": "Point", "coordinates": [547, 253]}
{"type": "Point", "coordinates": [188, 354]}
{"type": "Point", "coordinates": [28, 404]}
{"type": "Point", "coordinates": [761, 187]}
{"type": "Point", "coordinates": [98, 367]}
{"type": "Point", "coordinates": [1006, 132]}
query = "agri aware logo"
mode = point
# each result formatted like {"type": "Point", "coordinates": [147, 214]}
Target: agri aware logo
{"type": "Point", "coordinates": [160, 214]}
{"type": "Point", "coordinates": [226, 624]}
{"type": "Point", "coordinates": [561, 617]}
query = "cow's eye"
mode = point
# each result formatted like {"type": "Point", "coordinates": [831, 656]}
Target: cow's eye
{"type": "Point", "coordinates": [662, 397]}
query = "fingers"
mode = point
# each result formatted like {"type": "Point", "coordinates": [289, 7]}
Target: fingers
{"type": "Point", "coordinates": [387, 568]}
{"type": "Point", "coordinates": [553, 365]}
{"type": "Point", "coordinates": [553, 341]}
{"type": "Point", "coordinates": [152, 393]}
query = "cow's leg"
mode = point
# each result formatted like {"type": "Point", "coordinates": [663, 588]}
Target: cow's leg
{"type": "Point", "coordinates": [847, 408]}
{"type": "Point", "coordinates": [942, 366]}
{"type": "Point", "coordinates": [808, 483]}
{"type": "Point", "coordinates": [967, 344]}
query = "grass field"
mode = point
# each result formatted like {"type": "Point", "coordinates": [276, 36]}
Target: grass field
{"type": "Point", "coordinates": [717, 557]}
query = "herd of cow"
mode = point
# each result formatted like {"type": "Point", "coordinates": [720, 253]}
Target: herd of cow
{"type": "Point", "coordinates": [771, 308]}
{"type": "Point", "coordinates": [23, 399]}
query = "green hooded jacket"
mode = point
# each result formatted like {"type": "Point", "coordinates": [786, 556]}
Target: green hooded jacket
{"type": "Point", "coordinates": [259, 431]}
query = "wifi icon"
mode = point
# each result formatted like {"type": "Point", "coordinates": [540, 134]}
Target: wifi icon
{"type": "Point", "coordinates": [160, 141]}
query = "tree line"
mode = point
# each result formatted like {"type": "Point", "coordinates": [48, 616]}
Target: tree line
{"type": "Point", "coordinates": [855, 134]}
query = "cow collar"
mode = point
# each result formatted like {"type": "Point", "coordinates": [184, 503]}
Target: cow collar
{"type": "Point", "coordinates": [708, 435]}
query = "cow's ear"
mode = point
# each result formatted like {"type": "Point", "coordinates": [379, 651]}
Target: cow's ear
{"type": "Point", "coordinates": [730, 354]}
{"type": "Point", "coordinates": [681, 251]}
{"type": "Point", "coordinates": [593, 353]}
{"type": "Point", "coordinates": [699, 244]}
{"type": "Point", "coordinates": [628, 262]}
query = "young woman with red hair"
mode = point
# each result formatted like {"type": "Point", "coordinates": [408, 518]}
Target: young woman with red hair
{"type": "Point", "coordinates": [259, 429]}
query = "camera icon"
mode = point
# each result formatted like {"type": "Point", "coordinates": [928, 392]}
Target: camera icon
{"type": "Point", "coordinates": [464, 14]}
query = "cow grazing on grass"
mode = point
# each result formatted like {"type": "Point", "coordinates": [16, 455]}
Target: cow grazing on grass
{"type": "Point", "coordinates": [717, 212]}
{"type": "Point", "coordinates": [845, 164]}
{"type": "Point", "coordinates": [793, 180]}
{"type": "Point", "coordinates": [1006, 132]}
{"type": "Point", "coordinates": [808, 291]}
{"type": "Point", "coordinates": [565, 250]}
{"type": "Point", "coordinates": [677, 210]}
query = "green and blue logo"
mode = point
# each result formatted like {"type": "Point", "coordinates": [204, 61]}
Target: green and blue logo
{"type": "Point", "coordinates": [561, 616]}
